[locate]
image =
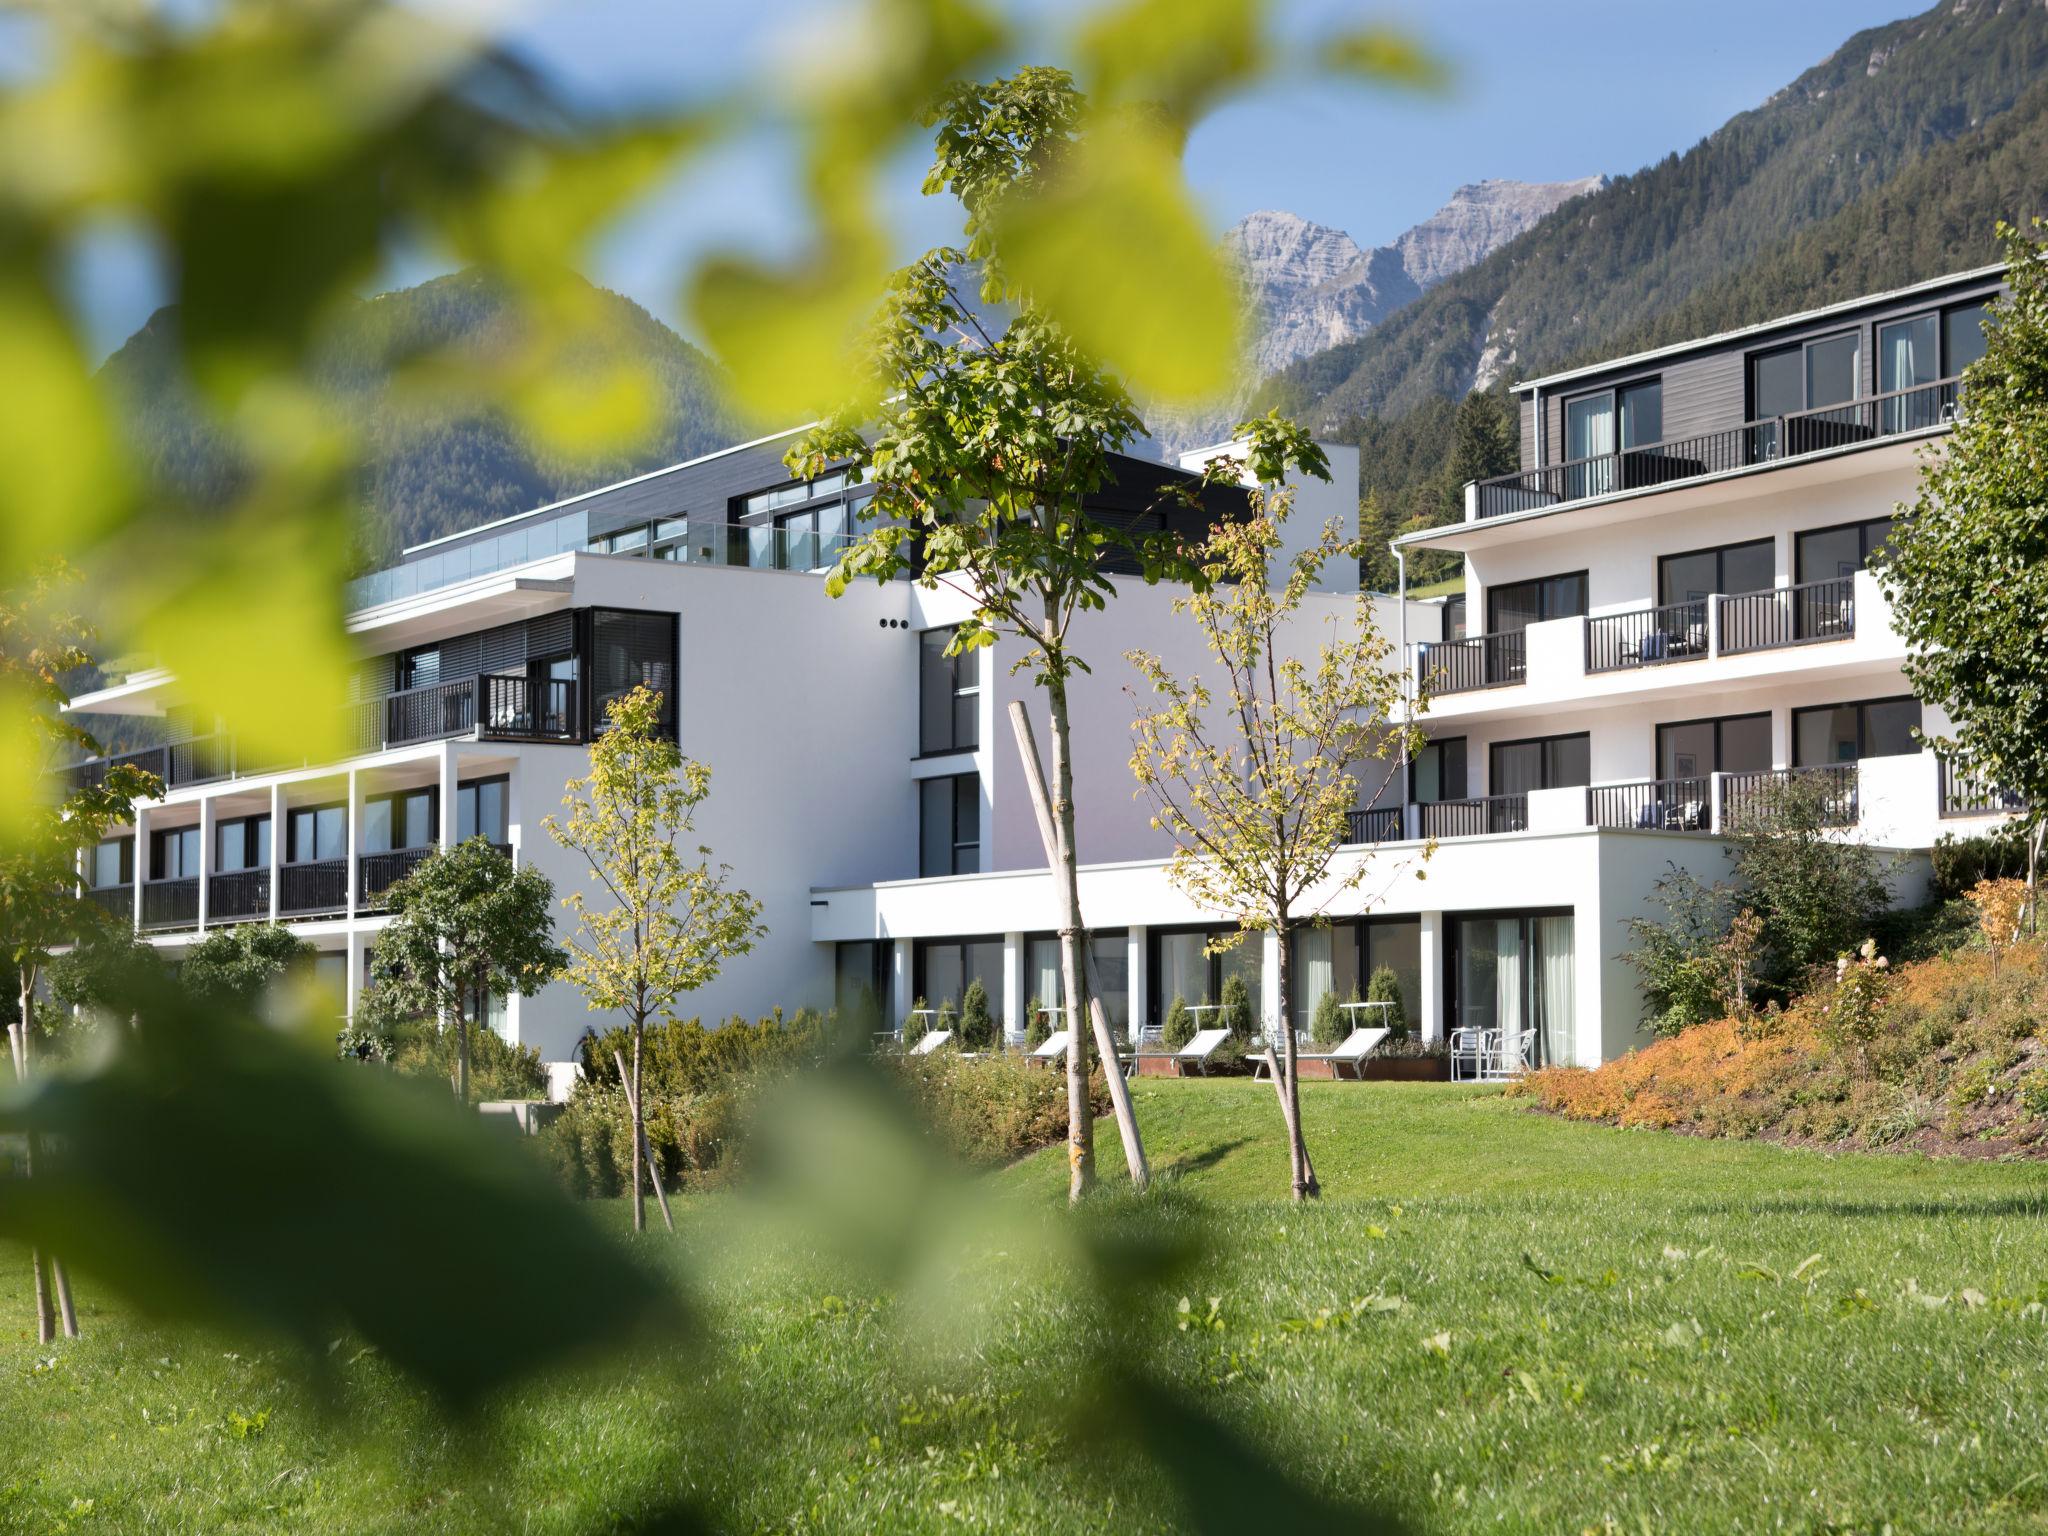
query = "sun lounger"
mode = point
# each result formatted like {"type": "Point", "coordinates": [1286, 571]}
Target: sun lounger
{"type": "Point", "coordinates": [1196, 1053]}
{"type": "Point", "coordinates": [933, 1039]}
{"type": "Point", "coordinates": [1052, 1048]}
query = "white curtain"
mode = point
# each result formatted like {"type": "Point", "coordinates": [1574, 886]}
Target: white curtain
{"type": "Point", "coordinates": [1313, 975]}
{"type": "Point", "coordinates": [1507, 992]}
{"type": "Point", "coordinates": [1555, 994]}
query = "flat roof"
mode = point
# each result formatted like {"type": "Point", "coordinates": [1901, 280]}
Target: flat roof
{"type": "Point", "coordinates": [1723, 338]}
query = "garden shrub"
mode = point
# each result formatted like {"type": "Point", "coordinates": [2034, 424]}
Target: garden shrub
{"type": "Point", "coordinates": [1235, 1014]}
{"type": "Point", "coordinates": [1038, 1026]}
{"type": "Point", "coordinates": [1383, 986]}
{"type": "Point", "coordinates": [692, 1136]}
{"type": "Point", "coordinates": [977, 1030]}
{"type": "Point", "coordinates": [990, 1110]}
{"type": "Point", "coordinates": [498, 1069]}
{"type": "Point", "coordinates": [945, 1024]}
{"type": "Point", "coordinates": [1180, 1024]}
{"type": "Point", "coordinates": [682, 1057]}
{"type": "Point", "coordinates": [1961, 862]}
{"type": "Point", "coordinates": [1323, 1019]}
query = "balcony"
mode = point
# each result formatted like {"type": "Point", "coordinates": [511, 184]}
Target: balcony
{"type": "Point", "coordinates": [1964, 794]}
{"type": "Point", "coordinates": [1653, 805]}
{"type": "Point", "coordinates": [117, 901]}
{"type": "Point", "coordinates": [1801, 615]}
{"type": "Point", "coordinates": [1478, 661]}
{"type": "Point", "coordinates": [1383, 824]}
{"type": "Point", "coordinates": [238, 896]}
{"type": "Point", "coordinates": [313, 888]}
{"type": "Point", "coordinates": [202, 760]}
{"type": "Point", "coordinates": [170, 905]}
{"type": "Point", "coordinates": [496, 708]}
{"type": "Point", "coordinates": [1647, 637]}
{"type": "Point", "coordinates": [1753, 444]}
{"type": "Point", "coordinates": [378, 872]}
{"type": "Point", "coordinates": [1749, 796]}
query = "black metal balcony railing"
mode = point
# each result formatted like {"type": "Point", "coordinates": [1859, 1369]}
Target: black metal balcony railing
{"type": "Point", "coordinates": [1647, 636]}
{"type": "Point", "coordinates": [1751, 797]}
{"type": "Point", "coordinates": [1801, 615]}
{"type": "Point", "coordinates": [200, 760]}
{"type": "Point", "coordinates": [238, 896]}
{"type": "Point", "coordinates": [1964, 794]}
{"type": "Point", "coordinates": [1660, 805]}
{"type": "Point", "coordinates": [530, 706]}
{"type": "Point", "coordinates": [117, 901]}
{"type": "Point", "coordinates": [1474, 817]}
{"type": "Point", "coordinates": [380, 871]}
{"type": "Point", "coordinates": [1383, 824]}
{"type": "Point", "coordinates": [314, 888]}
{"type": "Point", "coordinates": [429, 712]}
{"type": "Point", "coordinates": [171, 904]}
{"type": "Point", "coordinates": [1478, 661]}
{"type": "Point", "coordinates": [1870, 419]}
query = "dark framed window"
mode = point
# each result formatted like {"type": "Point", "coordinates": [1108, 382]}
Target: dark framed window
{"type": "Point", "coordinates": [1729, 569]}
{"type": "Point", "coordinates": [315, 832]}
{"type": "Point", "coordinates": [243, 843]}
{"type": "Point", "coordinates": [942, 968]}
{"type": "Point", "coordinates": [631, 649]}
{"type": "Point", "coordinates": [1045, 985]}
{"type": "Point", "coordinates": [1597, 424]}
{"type": "Point", "coordinates": [110, 863]}
{"type": "Point", "coordinates": [794, 493]}
{"type": "Point", "coordinates": [1438, 771]}
{"type": "Point", "coordinates": [1962, 336]}
{"type": "Point", "coordinates": [482, 810]}
{"type": "Point", "coordinates": [1835, 554]}
{"type": "Point", "coordinates": [419, 667]}
{"type": "Point", "coordinates": [1848, 733]}
{"type": "Point", "coordinates": [1454, 617]}
{"type": "Point", "coordinates": [949, 825]}
{"type": "Point", "coordinates": [1181, 966]}
{"type": "Point", "coordinates": [1519, 604]}
{"type": "Point", "coordinates": [1514, 972]}
{"type": "Point", "coordinates": [1692, 749]}
{"type": "Point", "coordinates": [1916, 352]}
{"type": "Point", "coordinates": [1805, 376]}
{"type": "Point", "coordinates": [1341, 956]}
{"type": "Point", "coordinates": [404, 819]}
{"type": "Point", "coordinates": [1541, 762]}
{"type": "Point", "coordinates": [174, 853]}
{"type": "Point", "coordinates": [948, 695]}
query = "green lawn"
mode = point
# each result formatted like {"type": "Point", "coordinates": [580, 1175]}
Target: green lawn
{"type": "Point", "coordinates": [1595, 1330]}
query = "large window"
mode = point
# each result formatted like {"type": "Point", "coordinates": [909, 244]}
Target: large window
{"type": "Point", "coordinates": [1519, 604]}
{"type": "Point", "coordinates": [174, 854]}
{"type": "Point", "coordinates": [481, 810]}
{"type": "Point", "coordinates": [949, 825]}
{"type": "Point", "coordinates": [1544, 762]}
{"type": "Point", "coordinates": [860, 980]}
{"type": "Point", "coordinates": [243, 843]}
{"type": "Point", "coordinates": [316, 832]}
{"type": "Point", "coordinates": [630, 650]}
{"type": "Point", "coordinates": [1835, 554]}
{"type": "Point", "coordinates": [1692, 749]}
{"type": "Point", "coordinates": [1044, 985]}
{"type": "Point", "coordinates": [1511, 978]}
{"type": "Point", "coordinates": [1182, 967]}
{"type": "Point", "coordinates": [944, 967]}
{"type": "Point", "coordinates": [1596, 424]}
{"type": "Point", "coordinates": [1438, 771]}
{"type": "Point", "coordinates": [419, 667]}
{"type": "Point", "coordinates": [948, 695]}
{"type": "Point", "coordinates": [1917, 352]}
{"type": "Point", "coordinates": [1341, 957]}
{"type": "Point", "coordinates": [111, 863]}
{"type": "Point", "coordinates": [1846, 733]}
{"type": "Point", "coordinates": [1804, 377]}
{"type": "Point", "coordinates": [405, 819]}
{"type": "Point", "coordinates": [1733, 568]}
{"type": "Point", "coordinates": [793, 494]}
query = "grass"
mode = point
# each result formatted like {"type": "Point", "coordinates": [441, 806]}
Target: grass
{"type": "Point", "coordinates": [1597, 1330]}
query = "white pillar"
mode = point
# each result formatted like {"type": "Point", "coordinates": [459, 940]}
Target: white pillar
{"type": "Point", "coordinates": [1430, 1006]}
{"type": "Point", "coordinates": [277, 836]}
{"type": "Point", "coordinates": [1269, 978]}
{"type": "Point", "coordinates": [1013, 1000]}
{"type": "Point", "coordinates": [449, 780]}
{"type": "Point", "coordinates": [141, 858]}
{"type": "Point", "coordinates": [1140, 981]}
{"type": "Point", "coordinates": [902, 977]}
{"type": "Point", "coordinates": [353, 840]}
{"type": "Point", "coordinates": [352, 985]}
{"type": "Point", "coordinates": [1781, 738]}
{"type": "Point", "coordinates": [208, 817]}
{"type": "Point", "coordinates": [515, 806]}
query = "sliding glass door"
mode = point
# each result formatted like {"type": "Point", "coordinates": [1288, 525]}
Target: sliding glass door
{"type": "Point", "coordinates": [1512, 982]}
{"type": "Point", "coordinates": [1596, 425]}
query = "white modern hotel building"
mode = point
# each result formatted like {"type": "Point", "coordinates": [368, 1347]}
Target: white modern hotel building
{"type": "Point", "coordinates": [1666, 607]}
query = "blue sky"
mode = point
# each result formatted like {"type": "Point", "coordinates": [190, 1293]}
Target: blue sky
{"type": "Point", "coordinates": [1541, 92]}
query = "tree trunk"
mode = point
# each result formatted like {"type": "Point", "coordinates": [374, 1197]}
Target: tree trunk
{"type": "Point", "coordinates": [67, 1312]}
{"type": "Point", "coordinates": [639, 1132]}
{"type": "Point", "coordinates": [1067, 880]}
{"type": "Point", "coordinates": [653, 1173]}
{"type": "Point", "coordinates": [462, 1055]}
{"type": "Point", "coordinates": [1105, 1041]}
{"type": "Point", "coordinates": [1305, 1185]}
{"type": "Point", "coordinates": [20, 1039]}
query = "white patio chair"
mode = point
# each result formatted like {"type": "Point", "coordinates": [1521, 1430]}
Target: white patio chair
{"type": "Point", "coordinates": [1470, 1051]}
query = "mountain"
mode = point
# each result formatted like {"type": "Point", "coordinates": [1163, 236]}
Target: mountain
{"type": "Point", "coordinates": [1737, 227]}
{"type": "Point", "coordinates": [431, 475]}
{"type": "Point", "coordinates": [1311, 287]}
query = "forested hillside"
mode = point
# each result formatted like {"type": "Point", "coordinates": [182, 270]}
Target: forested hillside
{"type": "Point", "coordinates": [1781, 207]}
{"type": "Point", "coordinates": [431, 475]}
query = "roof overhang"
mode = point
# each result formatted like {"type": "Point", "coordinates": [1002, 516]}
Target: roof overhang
{"type": "Point", "coordinates": [148, 692]}
{"type": "Point", "coordinates": [500, 598]}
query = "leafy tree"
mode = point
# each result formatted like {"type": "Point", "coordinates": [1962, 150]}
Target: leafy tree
{"type": "Point", "coordinates": [984, 452]}
{"type": "Point", "coordinates": [1966, 570]}
{"type": "Point", "coordinates": [241, 963]}
{"type": "Point", "coordinates": [1816, 891]}
{"type": "Point", "coordinates": [1255, 781]}
{"type": "Point", "coordinates": [465, 924]}
{"type": "Point", "coordinates": [42, 907]}
{"type": "Point", "coordinates": [106, 964]}
{"type": "Point", "coordinates": [661, 926]}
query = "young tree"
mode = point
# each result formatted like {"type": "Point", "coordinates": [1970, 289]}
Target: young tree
{"type": "Point", "coordinates": [465, 924]}
{"type": "Point", "coordinates": [663, 925]}
{"type": "Point", "coordinates": [1966, 568]}
{"type": "Point", "coordinates": [1256, 780]}
{"type": "Point", "coordinates": [984, 454]}
{"type": "Point", "coordinates": [42, 905]}
{"type": "Point", "coordinates": [239, 964]}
